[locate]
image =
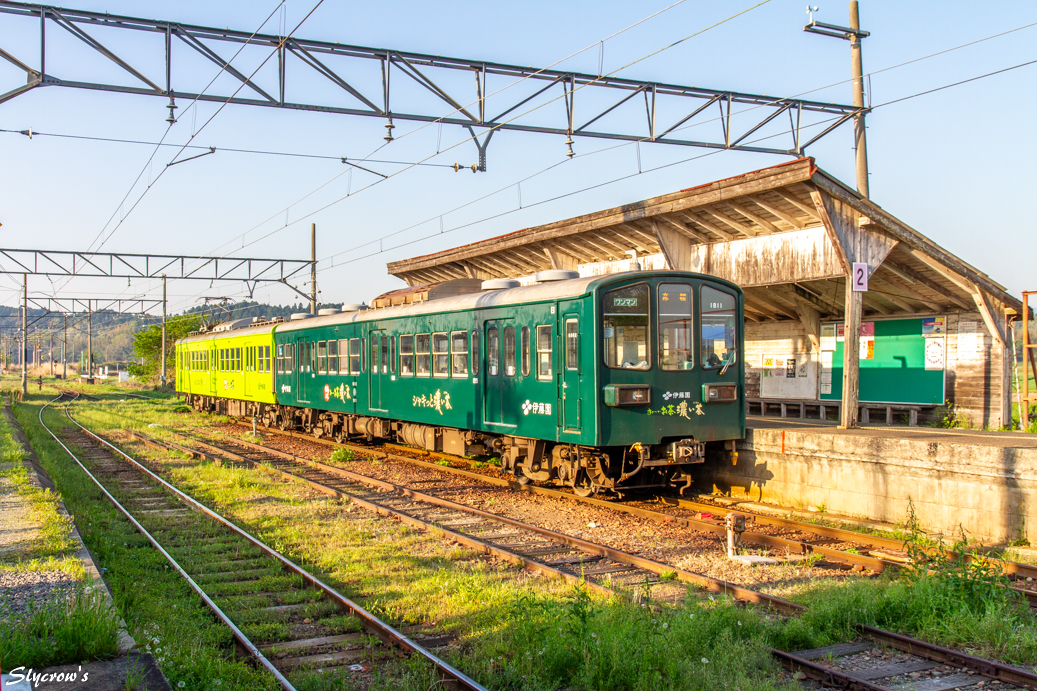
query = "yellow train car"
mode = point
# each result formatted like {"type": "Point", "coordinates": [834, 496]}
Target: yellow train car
{"type": "Point", "coordinates": [228, 370]}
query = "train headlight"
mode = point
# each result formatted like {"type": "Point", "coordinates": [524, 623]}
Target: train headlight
{"type": "Point", "coordinates": [719, 393]}
{"type": "Point", "coordinates": [627, 395]}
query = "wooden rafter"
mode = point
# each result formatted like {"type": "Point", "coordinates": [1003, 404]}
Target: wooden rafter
{"type": "Point", "coordinates": [684, 230]}
{"type": "Point", "coordinates": [909, 274]}
{"type": "Point", "coordinates": [748, 232]}
{"type": "Point", "coordinates": [708, 225]}
{"type": "Point", "coordinates": [753, 216]}
{"type": "Point", "coordinates": [792, 199]}
{"type": "Point", "coordinates": [773, 208]}
{"type": "Point", "coordinates": [773, 306]}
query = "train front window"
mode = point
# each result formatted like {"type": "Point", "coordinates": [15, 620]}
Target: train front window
{"type": "Point", "coordinates": [625, 327]}
{"type": "Point", "coordinates": [676, 331]}
{"type": "Point", "coordinates": [719, 341]}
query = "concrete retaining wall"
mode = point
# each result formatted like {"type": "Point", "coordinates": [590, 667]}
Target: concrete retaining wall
{"type": "Point", "coordinates": [989, 489]}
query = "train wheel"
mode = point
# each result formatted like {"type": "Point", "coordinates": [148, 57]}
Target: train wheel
{"type": "Point", "coordinates": [582, 485]}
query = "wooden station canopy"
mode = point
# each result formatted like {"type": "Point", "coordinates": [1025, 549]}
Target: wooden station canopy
{"type": "Point", "coordinates": [788, 235]}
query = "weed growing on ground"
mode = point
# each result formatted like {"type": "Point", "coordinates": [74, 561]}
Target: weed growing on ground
{"type": "Point", "coordinates": [82, 626]}
{"type": "Point", "coordinates": [343, 455]}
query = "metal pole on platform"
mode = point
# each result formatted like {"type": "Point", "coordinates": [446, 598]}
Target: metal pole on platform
{"type": "Point", "coordinates": [25, 328]}
{"type": "Point", "coordinates": [89, 339]}
{"type": "Point", "coordinates": [163, 331]}
{"type": "Point", "coordinates": [313, 268]}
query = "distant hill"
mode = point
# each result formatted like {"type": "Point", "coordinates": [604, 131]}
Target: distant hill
{"type": "Point", "coordinates": [113, 333]}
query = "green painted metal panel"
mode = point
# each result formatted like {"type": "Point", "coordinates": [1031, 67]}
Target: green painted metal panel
{"type": "Point", "coordinates": [896, 373]}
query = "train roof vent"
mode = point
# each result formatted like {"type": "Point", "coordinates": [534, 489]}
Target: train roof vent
{"type": "Point", "coordinates": [356, 307]}
{"type": "Point", "coordinates": [555, 275]}
{"type": "Point", "coordinates": [299, 316]}
{"type": "Point", "coordinates": [500, 284]}
{"type": "Point", "coordinates": [328, 311]}
{"type": "Point", "coordinates": [231, 325]}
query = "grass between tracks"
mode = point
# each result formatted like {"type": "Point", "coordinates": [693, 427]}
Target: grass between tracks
{"type": "Point", "coordinates": [516, 631]}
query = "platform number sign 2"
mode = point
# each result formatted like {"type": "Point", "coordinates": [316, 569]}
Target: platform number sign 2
{"type": "Point", "coordinates": [860, 277]}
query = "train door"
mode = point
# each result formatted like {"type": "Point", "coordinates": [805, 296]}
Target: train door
{"type": "Point", "coordinates": [248, 373]}
{"type": "Point", "coordinates": [212, 369]}
{"type": "Point", "coordinates": [570, 366]}
{"type": "Point", "coordinates": [498, 404]}
{"type": "Point", "coordinates": [378, 374]}
{"type": "Point", "coordinates": [304, 355]}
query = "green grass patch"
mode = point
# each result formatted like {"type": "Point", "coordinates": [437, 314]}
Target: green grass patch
{"type": "Point", "coordinates": [82, 627]}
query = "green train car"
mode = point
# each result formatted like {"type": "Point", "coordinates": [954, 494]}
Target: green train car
{"type": "Point", "coordinates": [598, 383]}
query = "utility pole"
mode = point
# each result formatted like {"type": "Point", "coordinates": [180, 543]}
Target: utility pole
{"type": "Point", "coordinates": [853, 34]}
{"type": "Point", "coordinates": [25, 328]}
{"type": "Point", "coordinates": [64, 343]}
{"type": "Point", "coordinates": [52, 354]}
{"type": "Point", "coordinates": [163, 331]}
{"type": "Point", "coordinates": [89, 339]}
{"type": "Point", "coordinates": [313, 268]}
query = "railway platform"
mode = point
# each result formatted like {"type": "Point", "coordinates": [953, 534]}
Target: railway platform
{"type": "Point", "coordinates": [982, 482]}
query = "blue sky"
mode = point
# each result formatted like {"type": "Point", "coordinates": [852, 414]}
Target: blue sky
{"type": "Point", "coordinates": [956, 164]}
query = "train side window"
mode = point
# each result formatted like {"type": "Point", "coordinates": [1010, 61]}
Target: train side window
{"type": "Point", "coordinates": [332, 357]}
{"type": "Point", "coordinates": [239, 361]}
{"type": "Point", "coordinates": [719, 331]}
{"type": "Point", "coordinates": [625, 327]}
{"type": "Point", "coordinates": [375, 362]}
{"type": "Point", "coordinates": [363, 355]}
{"type": "Point", "coordinates": [385, 354]}
{"type": "Point", "coordinates": [525, 351]}
{"type": "Point", "coordinates": [392, 354]}
{"type": "Point", "coordinates": [312, 359]}
{"type": "Point", "coordinates": [407, 356]}
{"type": "Point", "coordinates": [509, 351]}
{"type": "Point", "coordinates": [354, 356]}
{"type": "Point", "coordinates": [493, 352]}
{"type": "Point", "coordinates": [280, 359]}
{"type": "Point", "coordinates": [544, 337]}
{"type": "Point", "coordinates": [423, 364]}
{"type": "Point", "coordinates": [343, 356]}
{"type": "Point", "coordinates": [269, 362]}
{"type": "Point", "coordinates": [322, 357]}
{"type": "Point", "coordinates": [476, 356]}
{"type": "Point", "coordinates": [441, 352]}
{"type": "Point", "coordinates": [459, 353]}
{"type": "Point", "coordinates": [572, 344]}
{"type": "Point", "coordinates": [289, 358]}
{"type": "Point", "coordinates": [676, 316]}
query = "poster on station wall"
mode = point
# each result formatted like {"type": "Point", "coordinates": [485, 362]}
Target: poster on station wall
{"type": "Point", "coordinates": [840, 332]}
{"type": "Point", "coordinates": [867, 348]}
{"type": "Point", "coordinates": [934, 353]}
{"type": "Point", "coordinates": [934, 326]}
{"type": "Point", "coordinates": [790, 368]}
{"type": "Point", "coordinates": [827, 337]}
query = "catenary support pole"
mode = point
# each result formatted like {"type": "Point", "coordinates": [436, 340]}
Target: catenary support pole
{"type": "Point", "coordinates": [313, 268]}
{"type": "Point", "coordinates": [860, 142]}
{"type": "Point", "coordinates": [163, 330]}
{"type": "Point", "coordinates": [25, 329]}
{"type": "Point", "coordinates": [52, 354]}
{"type": "Point", "coordinates": [64, 344]}
{"type": "Point", "coordinates": [89, 339]}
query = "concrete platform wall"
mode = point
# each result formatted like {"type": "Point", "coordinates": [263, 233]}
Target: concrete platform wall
{"type": "Point", "coordinates": [989, 490]}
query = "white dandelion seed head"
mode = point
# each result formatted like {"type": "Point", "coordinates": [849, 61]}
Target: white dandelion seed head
{"type": "Point", "coordinates": [705, 661]}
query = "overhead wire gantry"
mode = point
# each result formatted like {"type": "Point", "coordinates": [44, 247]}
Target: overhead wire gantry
{"type": "Point", "coordinates": [483, 108]}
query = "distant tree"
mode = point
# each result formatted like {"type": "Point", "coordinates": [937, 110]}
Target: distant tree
{"type": "Point", "coordinates": [147, 344]}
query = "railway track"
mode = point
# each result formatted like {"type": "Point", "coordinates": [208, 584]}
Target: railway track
{"type": "Point", "coordinates": [879, 660]}
{"type": "Point", "coordinates": [872, 552]}
{"type": "Point", "coordinates": [879, 657]}
{"type": "Point", "coordinates": [241, 579]}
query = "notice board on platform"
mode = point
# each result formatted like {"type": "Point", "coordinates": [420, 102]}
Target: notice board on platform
{"type": "Point", "coordinates": [896, 371]}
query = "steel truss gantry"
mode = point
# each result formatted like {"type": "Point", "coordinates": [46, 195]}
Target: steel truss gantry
{"type": "Point", "coordinates": [357, 71]}
{"type": "Point", "coordinates": [250, 271]}
{"type": "Point", "coordinates": [74, 306]}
